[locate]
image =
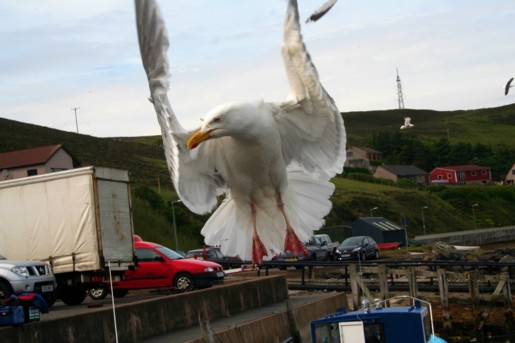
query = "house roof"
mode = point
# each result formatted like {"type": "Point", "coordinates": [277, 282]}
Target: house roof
{"type": "Point", "coordinates": [27, 157]}
{"type": "Point", "coordinates": [403, 170]}
{"type": "Point", "coordinates": [379, 223]}
{"type": "Point", "coordinates": [367, 149]}
{"type": "Point", "coordinates": [467, 167]}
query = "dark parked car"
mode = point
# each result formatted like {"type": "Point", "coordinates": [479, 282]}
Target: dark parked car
{"type": "Point", "coordinates": [358, 248]}
{"type": "Point", "coordinates": [320, 248]}
{"type": "Point", "coordinates": [214, 254]}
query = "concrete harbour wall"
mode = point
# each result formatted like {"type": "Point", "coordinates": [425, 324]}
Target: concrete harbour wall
{"type": "Point", "coordinates": [472, 237]}
{"type": "Point", "coordinates": [143, 319]}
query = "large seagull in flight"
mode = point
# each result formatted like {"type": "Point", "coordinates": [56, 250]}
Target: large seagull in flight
{"type": "Point", "coordinates": [273, 161]}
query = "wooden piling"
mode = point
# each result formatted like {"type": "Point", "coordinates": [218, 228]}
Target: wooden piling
{"type": "Point", "coordinates": [444, 298]}
{"type": "Point", "coordinates": [382, 274]}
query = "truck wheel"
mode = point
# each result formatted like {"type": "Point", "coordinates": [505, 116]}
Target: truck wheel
{"type": "Point", "coordinates": [5, 290]}
{"type": "Point", "coordinates": [184, 282]}
{"type": "Point", "coordinates": [120, 293]}
{"type": "Point", "coordinates": [98, 293]}
{"type": "Point", "coordinates": [73, 295]}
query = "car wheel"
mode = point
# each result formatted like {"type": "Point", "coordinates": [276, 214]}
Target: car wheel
{"type": "Point", "coordinates": [5, 290]}
{"type": "Point", "coordinates": [50, 298]}
{"type": "Point", "coordinates": [184, 282]}
{"type": "Point", "coordinates": [120, 293]}
{"type": "Point", "coordinates": [376, 255]}
{"type": "Point", "coordinates": [363, 256]}
{"type": "Point", "coordinates": [98, 293]}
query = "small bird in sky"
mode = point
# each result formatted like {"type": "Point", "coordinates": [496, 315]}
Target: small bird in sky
{"type": "Point", "coordinates": [407, 123]}
{"type": "Point", "coordinates": [508, 86]}
{"type": "Point", "coordinates": [272, 160]}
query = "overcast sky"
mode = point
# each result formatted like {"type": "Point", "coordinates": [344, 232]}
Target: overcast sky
{"type": "Point", "coordinates": [57, 55]}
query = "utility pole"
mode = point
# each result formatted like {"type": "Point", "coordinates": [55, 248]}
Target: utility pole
{"type": "Point", "coordinates": [400, 97]}
{"type": "Point", "coordinates": [76, 123]}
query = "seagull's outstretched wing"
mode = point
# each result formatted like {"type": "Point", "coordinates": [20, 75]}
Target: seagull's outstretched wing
{"type": "Point", "coordinates": [192, 172]}
{"type": "Point", "coordinates": [508, 86]}
{"type": "Point", "coordinates": [311, 127]}
{"type": "Point", "coordinates": [321, 11]}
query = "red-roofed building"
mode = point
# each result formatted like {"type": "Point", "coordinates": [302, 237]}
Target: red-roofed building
{"type": "Point", "coordinates": [36, 161]}
{"type": "Point", "coordinates": [461, 175]}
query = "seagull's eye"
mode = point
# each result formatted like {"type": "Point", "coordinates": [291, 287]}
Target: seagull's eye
{"type": "Point", "coordinates": [217, 119]}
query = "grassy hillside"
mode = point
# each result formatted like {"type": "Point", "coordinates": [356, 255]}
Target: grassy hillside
{"type": "Point", "coordinates": [449, 209]}
{"type": "Point", "coordinates": [142, 156]}
{"type": "Point", "coordinates": [489, 126]}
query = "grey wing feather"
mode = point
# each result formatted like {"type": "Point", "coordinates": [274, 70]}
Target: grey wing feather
{"type": "Point", "coordinates": [193, 174]}
{"type": "Point", "coordinates": [321, 11]}
{"type": "Point", "coordinates": [311, 126]}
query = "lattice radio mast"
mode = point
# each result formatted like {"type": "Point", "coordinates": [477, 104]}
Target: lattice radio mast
{"type": "Point", "coordinates": [400, 98]}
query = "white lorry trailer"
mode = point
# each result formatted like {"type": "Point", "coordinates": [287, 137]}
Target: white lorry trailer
{"type": "Point", "coordinates": [79, 221]}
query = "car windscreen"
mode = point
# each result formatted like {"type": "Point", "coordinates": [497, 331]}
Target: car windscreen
{"type": "Point", "coordinates": [172, 255]}
{"type": "Point", "coordinates": [352, 241]}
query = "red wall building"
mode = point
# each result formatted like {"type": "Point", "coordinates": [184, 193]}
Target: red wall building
{"type": "Point", "coordinates": [464, 175]}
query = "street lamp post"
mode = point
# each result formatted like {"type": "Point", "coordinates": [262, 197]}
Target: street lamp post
{"type": "Point", "coordinates": [372, 210]}
{"type": "Point", "coordinates": [474, 214]}
{"type": "Point", "coordinates": [423, 219]}
{"type": "Point", "coordinates": [174, 226]}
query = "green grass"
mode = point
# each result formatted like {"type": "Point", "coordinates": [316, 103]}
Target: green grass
{"type": "Point", "coordinates": [489, 126]}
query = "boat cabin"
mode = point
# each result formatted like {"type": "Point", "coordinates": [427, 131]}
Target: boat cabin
{"type": "Point", "coordinates": [377, 324]}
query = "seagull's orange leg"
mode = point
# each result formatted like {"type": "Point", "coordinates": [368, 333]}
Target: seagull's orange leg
{"type": "Point", "coordinates": [291, 241]}
{"type": "Point", "coordinates": [258, 248]}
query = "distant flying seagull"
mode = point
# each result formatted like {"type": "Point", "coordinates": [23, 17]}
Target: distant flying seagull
{"type": "Point", "coordinates": [321, 11]}
{"type": "Point", "coordinates": [407, 123]}
{"type": "Point", "coordinates": [508, 86]}
{"type": "Point", "coordinates": [273, 161]}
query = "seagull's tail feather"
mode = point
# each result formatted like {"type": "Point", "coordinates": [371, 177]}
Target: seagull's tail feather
{"type": "Point", "coordinates": [306, 202]}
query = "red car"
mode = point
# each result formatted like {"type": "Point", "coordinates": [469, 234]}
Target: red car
{"type": "Point", "coordinates": [160, 267]}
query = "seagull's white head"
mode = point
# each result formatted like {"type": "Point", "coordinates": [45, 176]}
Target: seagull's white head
{"type": "Point", "coordinates": [230, 119]}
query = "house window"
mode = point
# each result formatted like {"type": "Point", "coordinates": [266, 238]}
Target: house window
{"type": "Point", "coordinates": [439, 177]}
{"type": "Point", "coordinates": [32, 172]}
{"type": "Point", "coordinates": [513, 172]}
{"type": "Point", "coordinates": [53, 170]}
{"type": "Point", "coordinates": [449, 175]}
{"type": "Point", "coordinates": [483, 172]}
{"type": "Point", "coordinates": [461, 176]}
{"type": "Point", "coordinates": [473, 173]}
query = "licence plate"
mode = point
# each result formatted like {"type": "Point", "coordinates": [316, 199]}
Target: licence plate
{"type": "Point", "coordinates": [47, 288]}
{"type": "Point", "coordinates": [345, 255]}
{"type": "Point", "coordinates": [220, 274]}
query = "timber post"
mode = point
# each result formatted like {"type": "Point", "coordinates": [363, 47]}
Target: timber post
{"type": "Point", "coordinates": [383, 281]}
{"type": "Point", "coordinates": [412, 278]}
{"type": "Point", "coordinates": [444, 297]}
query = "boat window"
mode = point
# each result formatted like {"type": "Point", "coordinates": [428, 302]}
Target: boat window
{"type": "Point", "coordinates": [327, 333]}
{"type": "Point", "coordinates": [374, 333]}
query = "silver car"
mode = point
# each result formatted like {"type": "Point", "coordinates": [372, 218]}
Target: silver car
{"type": "Point", "coordinates": [27, 277]}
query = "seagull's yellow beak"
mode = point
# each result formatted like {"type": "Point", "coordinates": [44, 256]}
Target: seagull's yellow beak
{"type": "Point", "coordinates": [197, 138]}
